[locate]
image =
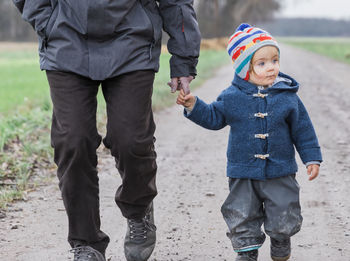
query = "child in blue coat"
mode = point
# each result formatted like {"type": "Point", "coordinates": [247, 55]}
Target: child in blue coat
{"type": "Point", "coordinates": [267, 120]}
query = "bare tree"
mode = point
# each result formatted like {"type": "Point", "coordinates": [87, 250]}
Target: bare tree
{"type": "Point", "coordinates": [220, 17]}
{"type": "Point", "coordinates": [216, 17]}
{"type": "Point", "coordinates": [12, 27]}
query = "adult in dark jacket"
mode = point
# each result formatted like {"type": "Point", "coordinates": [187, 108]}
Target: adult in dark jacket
{"type": "Point", "coordinates": [115, 44]}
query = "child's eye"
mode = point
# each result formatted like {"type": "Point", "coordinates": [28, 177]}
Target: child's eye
{"type": "Point", "coordinates": [275, 61]}
{"type": "Point", "coordinates": [261, 64]}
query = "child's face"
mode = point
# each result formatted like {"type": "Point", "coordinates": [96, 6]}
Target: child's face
{"type": "Point", "coordinates": [265, 66]}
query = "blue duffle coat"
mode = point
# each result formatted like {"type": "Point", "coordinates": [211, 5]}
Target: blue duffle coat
{"type": "Point", "coordinates": [266, 125]}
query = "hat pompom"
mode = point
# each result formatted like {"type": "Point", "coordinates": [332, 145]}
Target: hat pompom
{"type": "Point", "coordinates": [242, 27]}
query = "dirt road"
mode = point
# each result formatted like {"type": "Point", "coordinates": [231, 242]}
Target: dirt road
{"type": "Point", "coordinates": [192, 183]}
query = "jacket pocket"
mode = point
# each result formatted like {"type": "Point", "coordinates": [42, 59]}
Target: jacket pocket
{"type": "Point", "coordinates": [152, 11]}
{"type": "Point", "coordinates": [51, 21]}
{"type": "Point", "coordinates": [49, 26]}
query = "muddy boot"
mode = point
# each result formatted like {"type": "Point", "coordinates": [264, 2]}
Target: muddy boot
{"type": "Point", "coordinates": [280, 250]}
{"type": "Point", "coordinates": [140, 238]}
{"type": "Point", "coordinates": [87, 253]}
{"type": "Point", "coordinates": [247, 256]}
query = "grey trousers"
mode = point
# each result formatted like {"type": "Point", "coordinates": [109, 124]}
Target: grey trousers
{"type": "Point", "coordinates": [251, 203]}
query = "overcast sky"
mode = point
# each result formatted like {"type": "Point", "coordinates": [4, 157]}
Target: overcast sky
{"type": "Point", "coordinates": [337, 9]}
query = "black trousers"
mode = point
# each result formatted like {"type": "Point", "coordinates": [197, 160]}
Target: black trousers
{"type": "Point", "coordinates": [130, 137]}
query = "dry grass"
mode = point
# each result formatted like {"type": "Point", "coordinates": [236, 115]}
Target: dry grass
{"type": "Point", "coordinates": [216, 44]}
{"type": "Point", "coordinates": [206, 44]}
{"type": "Point", "coordinates": [18, 46]}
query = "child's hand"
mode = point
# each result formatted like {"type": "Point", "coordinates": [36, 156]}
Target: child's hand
{"type": "Point", "coordinates": [312, 171]}
{"type": "Point", "coordinates": [186, 100]}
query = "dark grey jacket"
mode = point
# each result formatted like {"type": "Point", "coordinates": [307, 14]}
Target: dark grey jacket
{"type": "Point", "coordinates": [101, 39]}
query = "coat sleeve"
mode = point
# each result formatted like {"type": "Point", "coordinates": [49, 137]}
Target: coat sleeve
{"type": "Point", "coordinates": [179, 21]}
{"type": "Point", "coordinates": [35, 12]}
{"type": "Point", "coordinates": [303, 134]}
{"type": "Point", "coordinates": [209, 116]}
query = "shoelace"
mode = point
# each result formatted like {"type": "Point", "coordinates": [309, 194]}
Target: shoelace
{"type": "Point", "coordinates": [82, 252]}
{"type": "Point", "coordinates": [139, 228]}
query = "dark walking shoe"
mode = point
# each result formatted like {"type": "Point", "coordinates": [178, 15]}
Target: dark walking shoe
{"type": "Point", "coordinates": [280, 250]}
{"type": "Point", "coordinates": [140, 238]}
{"type": "Point", "coordinates": [87, 253]}
{"type": "Point", "coordinates": [247, 256]}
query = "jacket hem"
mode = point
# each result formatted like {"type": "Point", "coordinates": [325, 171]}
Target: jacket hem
{"type": "Point", "coordinates": [44, 67]}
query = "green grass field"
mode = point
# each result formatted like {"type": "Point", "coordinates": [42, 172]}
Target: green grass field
{"type": "Point", "coordinates": [336, 48]}
{"type": "Point", "coordinates": [23, 86]}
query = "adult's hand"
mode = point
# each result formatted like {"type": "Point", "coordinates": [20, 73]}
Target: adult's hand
{"type": "Point", "coordinates": [179, 83]}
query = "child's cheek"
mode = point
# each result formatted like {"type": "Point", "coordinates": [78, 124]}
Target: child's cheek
{"type": "Point", "coordinates": [260, 74]}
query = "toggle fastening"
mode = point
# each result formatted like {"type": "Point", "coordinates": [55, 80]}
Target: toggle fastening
{"type": "Point", "coordinates": [262, 156]}
{"type": "Point", "coordinates": [261, 136]}
{"type": "Point", "coordinates": [261, 115]}
{"type": "Point", "coordinates": [260, 95]}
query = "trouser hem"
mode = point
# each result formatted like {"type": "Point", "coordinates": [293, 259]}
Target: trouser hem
{"type": "Point", "coordinates": [247, 248]}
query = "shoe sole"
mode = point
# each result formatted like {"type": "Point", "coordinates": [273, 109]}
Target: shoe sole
{"type": "Point", "coordinates": [284, 258]}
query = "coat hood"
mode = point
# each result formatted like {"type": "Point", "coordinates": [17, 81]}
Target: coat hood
{"type": "Point", "coordinates": [283, 82]}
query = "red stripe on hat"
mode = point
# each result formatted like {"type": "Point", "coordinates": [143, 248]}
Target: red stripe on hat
{"type": "Point", "coordinates": [238, 51]}
{"type": "Point", "coordinates": [247, 76]}
{"type": "Point", "coordinates": [262, 37]}
{"type": "Point", "coordinates": [249, 30]}
{"type": "Point", "coordinates": [235, 35]}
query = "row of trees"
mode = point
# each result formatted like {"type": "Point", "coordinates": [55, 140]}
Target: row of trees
{"type": "Point", "coordinates": [308, 27]}
{"type": "Point", "coordinates": [221, 17]}
{"type": "Point", "coordinates": [216, 17]}
{"type": "Point", "coordinates": [12, 27]}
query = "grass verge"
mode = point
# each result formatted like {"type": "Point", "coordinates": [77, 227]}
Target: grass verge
{"type": "Point", "coordinates": [335, 48]}
{"type": "Point", "coordinates": [24, 150]}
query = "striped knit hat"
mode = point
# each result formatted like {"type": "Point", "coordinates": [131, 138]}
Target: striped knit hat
{"type": "Point", "coordinates": [244, 43]}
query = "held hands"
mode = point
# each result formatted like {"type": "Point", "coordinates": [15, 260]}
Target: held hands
{"type": "Point", "coordinates": [312, 171]}
{"type": "Point", "coordinates": [181, 83]}
{"type": "Point", "coordinates": [187, 100]}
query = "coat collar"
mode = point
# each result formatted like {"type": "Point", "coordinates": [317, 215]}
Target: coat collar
{"type": "Point", "coordinates": [282, 83]}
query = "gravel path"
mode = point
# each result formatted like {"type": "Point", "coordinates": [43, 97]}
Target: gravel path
{"type": "Point", "coordinates": [192, 183]}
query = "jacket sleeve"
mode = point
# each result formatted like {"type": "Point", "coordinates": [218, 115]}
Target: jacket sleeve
{"type": "Point", "coordinates": [303, 134]}
{"type": "Point", "coordinates": [209, 116]}
{"type": "Point", "coordinates": [179, 21]}
{"type": "Point", "coordinates": [35, 12]}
